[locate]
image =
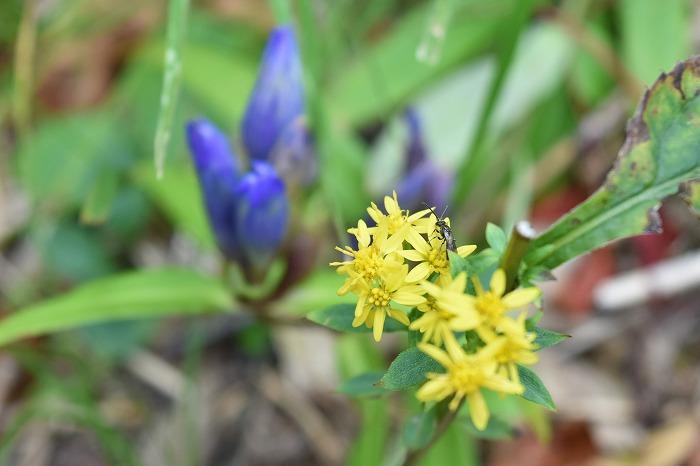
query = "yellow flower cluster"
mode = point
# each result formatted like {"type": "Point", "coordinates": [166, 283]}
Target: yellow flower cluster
{"type": "Point", "coordinates": [402, 260]}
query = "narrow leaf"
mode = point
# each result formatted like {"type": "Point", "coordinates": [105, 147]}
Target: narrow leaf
{"type": "Point", "coordinates": [546, 338]}
{"type": "Point", "coordinates": [409, 369]}
{"type": "Point", "coordinates": [133, 295]}
{"type": "Point", "coordinates": [659, 154]}
{"type": "Point", "coordinates": [340, 316]}
{"type": "Point", "coordinates": [535, 390]}
{"type": "Point", "coordinates": [177, 22]}
{"type": "Point", "coordinates": [363, 385]}
{"type": "Point", "coordinates": [496, 237]}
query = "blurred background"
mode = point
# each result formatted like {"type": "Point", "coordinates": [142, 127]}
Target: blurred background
{"type": "Point", "coordinates": [529, 104]}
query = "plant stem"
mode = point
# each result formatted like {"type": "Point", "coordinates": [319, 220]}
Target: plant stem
{"type": "Point", "coordinates": [415, 456]}
{"type": "Point", "coordinates": [517, 247]}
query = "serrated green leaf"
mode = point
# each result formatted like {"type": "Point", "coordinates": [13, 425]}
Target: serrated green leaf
{"type": "Point", "coordinates": [660, 153]}
{"type": "Point", "coordinates": [340, 316]}
{"type": "Point", "coordinates": [496, 429]}
{"type": "Point", "coordinates": [133, 295]}
{"type": "Point", "coordinates": [419, 429]}
{"type": "Point", "coordinates": [363, 385]}
{"type": "Point", "coordinates": [535, 390]}
{"type": "Point", "coordinates": [409, 369]}
{"type": "Point", "coordinates": [496, 238]}
{"type": "Point", "coordinates": [546, 338]}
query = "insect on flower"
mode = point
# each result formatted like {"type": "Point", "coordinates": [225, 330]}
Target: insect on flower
{"type": "Point", "coordinates": [444, 231]}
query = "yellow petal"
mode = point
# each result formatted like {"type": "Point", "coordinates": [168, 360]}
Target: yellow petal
{"type": "Point", "coordinates": [416, 240]}
{"type": "Point", "coordinates": [419, 272]}
{"type": "Point", "coordinates": [503, 385]}
{"type": "Point", "coordinates": [378, 327]}
{"type": "Point", "coordinates": [394, 277]}
{"type": "Point", "coordinates": [435, 353]}
{"type": "Point", "coordinates": [520, 298]}
{"type": "Point", "coordinates": [407, 298]}
{"type": "Point", "coordinates": [411, 255]}
{"type": "Point", "coordinates": [433, 390]}
{"type": "Point", "coordinates": [464, 251]}
{"type": "Point", "coordinates": [400, 316]}
{"type": "Point", "coordinates": [478, 409]}
{"type": "Point", "coordinates": [453, 348]}
{"type": "Point", "coordinates": [465, 321]}
{"type": "Point", "coordinates": [360, 306]}
{"type": "Point", "coordinates": [498, 282]}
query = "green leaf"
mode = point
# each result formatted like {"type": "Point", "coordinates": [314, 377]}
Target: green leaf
{"type": "Point", "coordinates": [535, 390]}
{"type": "Point", "coordinates": [546, 338]}
{"type": "Point", "coordinates": [409, 369]}
{"type": "Point", "coordinates": [496, 238]}
{"type": "Point", "coordinates": [691, 194]}
{"type": "Point", "coordinates": [419, 429]}
{"type": "Point", "coordinates": [363, 385]}
{"type": "Point", "coordinates": [60, 164]}
{"type": "Point", "coordinates": [133, 295]}
{"type": "Point", "coordinates": [99, 199]}
{"type": "Point", "coordinates": [496, 429]}
{"type": "Point", "coordinates": [176, 34]}
{"type": "Point", "coordinates": [362, 91]}
{"type": "Point", "coordinates": [179, 198]}
{"type": "Point", "coordinates": [659, 154]}
{"type": "Point", "coordinates": [643, 22]}
{"type": "Point", "coordinates": [340, 316]}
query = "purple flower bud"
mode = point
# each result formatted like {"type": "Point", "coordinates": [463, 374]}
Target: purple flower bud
{"type": "Point", "coordinates": [278, 97]}
{"type": "Point", "coordinates": [424, 181]}
{"type": "Point", "coordinates": [262, 213]}
{"type": "Point", "coordinates": [294, 157]}
{"type": "Point", "coordinates": [217, 173]}
{"type": "Point", "coordinates": [415, 150]}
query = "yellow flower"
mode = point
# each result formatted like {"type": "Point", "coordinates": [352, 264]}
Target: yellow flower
{"type": "Point", "coordinates": [374, 302]}
{"type": "Point", "coordinates": [447, 309]}
{"type": "Point", "coordinates": [518, 347]}
{"type": "Point", "coordinates": [492, 305]}
{"type": "Point", "coordinates": [396, 223]}
{"type": "Point", "coordinates": [431, 256]}
{"type": "Point", "coordinates": [372, 256]}
{"type": "Point", "coordinates": [465, 375]}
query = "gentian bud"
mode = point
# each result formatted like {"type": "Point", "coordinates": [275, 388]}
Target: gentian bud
{"type": "Point", "coordinates": [262, 213]}
{"type": "Point", "coordinates": [415, 150]}
{"type": "Point", "coordinates": [218, 175]}
{"type": "Point", "coordinates": [423, 181]}
{"type": "Point", "coordinates": [294, 157]}
{"type": "Point", "coordinates": [278, 97]}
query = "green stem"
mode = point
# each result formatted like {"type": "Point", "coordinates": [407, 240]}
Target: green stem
{"type": "Point", "coordinates": [256, 291]}
{"type": "Point", "coordinates": [415, 456]}
{"type": "Point", "coordinates": [518, 244]}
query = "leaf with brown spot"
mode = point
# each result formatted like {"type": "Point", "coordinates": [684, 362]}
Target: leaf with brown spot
{"type": "Point", "coordinates": [661, 152]}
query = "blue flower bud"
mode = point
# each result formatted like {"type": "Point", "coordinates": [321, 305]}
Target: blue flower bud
{"type": "Point", "coordinates": [278, 97]}
{"type": "Point", "coordinates": [294, 156]}
{"type": "Point", "coordinates": [217, 173]}
{"type": "Point", "coordinates": [415, 150]}
{"type": "Point", "coordinates": [423, 181]}
{"type": "Point", "coordinates": [262, 213]}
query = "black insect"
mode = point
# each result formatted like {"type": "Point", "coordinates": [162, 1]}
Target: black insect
{"type": "Point", "coordinates": [444, 231]}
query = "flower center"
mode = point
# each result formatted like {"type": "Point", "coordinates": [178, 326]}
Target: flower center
{"type": "Point", "coordinates": [368, 261]}
{"type": "Point", "coordinates": [379, 297]}
{"type": "Point", "coordinates": [395, 220]}
{"type": "Point", "coordinates": [489, 305]}
{"type": "Point", "coordinates": [437, 258]}
{"type": "Point", "coordinates": [467, 377]}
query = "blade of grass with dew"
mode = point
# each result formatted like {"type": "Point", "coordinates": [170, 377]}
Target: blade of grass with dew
{"type": "Point", "coordinates": [176, 31]}
{"type": "Point", "coordinates": [472, 164]}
